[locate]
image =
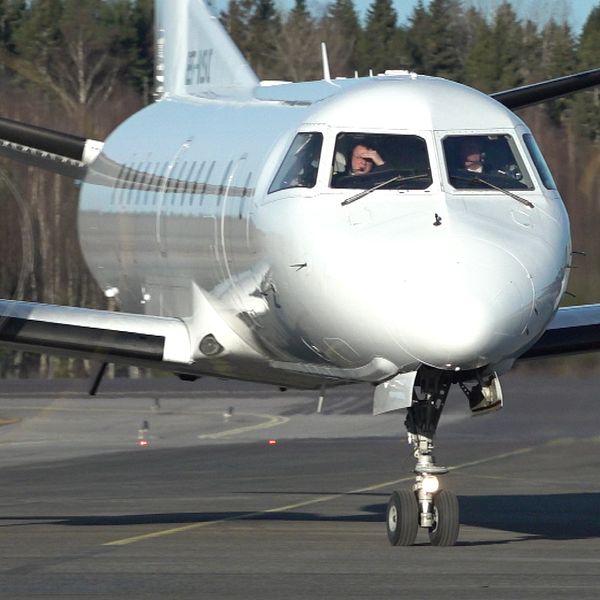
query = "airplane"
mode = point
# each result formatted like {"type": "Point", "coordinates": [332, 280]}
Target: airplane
{"type": "Point", "coordinates": [395, 229]}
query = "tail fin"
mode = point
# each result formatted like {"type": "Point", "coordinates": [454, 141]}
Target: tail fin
{"type": "Point", "coordinates": [196, 55]}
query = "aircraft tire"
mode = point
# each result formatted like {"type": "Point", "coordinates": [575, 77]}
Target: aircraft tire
{"type": "Point", "coordinates": [402, 518]}
{"type": "Point", "coordinates": [445, 530]}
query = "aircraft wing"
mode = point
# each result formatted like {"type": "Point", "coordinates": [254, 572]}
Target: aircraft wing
{"type": "Point", "coordinates": [98, 334]}
{"type": "Point", "coordinates": [166, 343]}
{"type": "Point", "coordinates": [47, 149]}
{"type": "Point", "coordinates": [535, 93]}
{"type": "Point", "coordinates": [574, 329]}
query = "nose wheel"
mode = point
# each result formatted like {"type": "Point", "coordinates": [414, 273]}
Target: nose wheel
{"type": "Point", "coordinates": [426, 505]}
{"type": "Point", "coordinates": [402, 518]}
{"type": "Point", "coordinates": [444, 531]}
{"type": "Point", "coordinates": [438, 513]}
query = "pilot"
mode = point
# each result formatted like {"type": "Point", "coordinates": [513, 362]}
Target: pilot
{"type": "Point", "coordinates": [473, 158]}
{"type": "Point", "coordinates": [364, 160]}
{"type": "Point", "coordinates": [473, 161]}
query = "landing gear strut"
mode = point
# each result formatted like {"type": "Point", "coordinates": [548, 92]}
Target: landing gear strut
{"type": "Point", "coordinates": [426, 505]}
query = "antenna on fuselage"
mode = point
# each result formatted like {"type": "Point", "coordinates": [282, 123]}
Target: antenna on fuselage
{"type": "Point", "coordinates": [326, 73]}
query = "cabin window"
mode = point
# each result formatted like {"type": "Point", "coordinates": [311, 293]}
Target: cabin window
{"type": "Point", "coordinates": [539, 162]}
{"type": "Point", "coordinates": [301, 163]}
{"type": "Point", "coordinates": [484, 162]}
{"type": "Point", "coordinates": [362, 161]}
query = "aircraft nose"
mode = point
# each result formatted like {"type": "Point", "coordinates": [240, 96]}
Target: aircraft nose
{"type": "Point", "coordinates": [467, 308]}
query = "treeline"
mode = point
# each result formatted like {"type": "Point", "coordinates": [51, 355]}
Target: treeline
{"type": "Point", "coordinates": [446, 38]}
{"type": "Point", "coordinates": [80, 66]}
{"type": "Point", "coordinates": [83, 66]}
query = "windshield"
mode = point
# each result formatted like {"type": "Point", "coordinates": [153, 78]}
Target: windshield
{"type": "Point", "coordinates": [474, 161]}
{"type": "Point", "coordinates": [362, 161]}
{"type": "Point", "coordinates": [301, 163]}
{"type": "Point", "coordinates": [540, 163]}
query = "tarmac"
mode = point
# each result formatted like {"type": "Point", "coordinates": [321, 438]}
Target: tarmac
{"type": "Point", "coordinates": [246, 492]}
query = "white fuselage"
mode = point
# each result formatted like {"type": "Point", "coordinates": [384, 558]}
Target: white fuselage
{"type": "Point", "coordinates": [455, 279]}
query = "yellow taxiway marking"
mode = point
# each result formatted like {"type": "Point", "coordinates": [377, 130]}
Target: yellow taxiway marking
{"type": "Point", "coordinates": [312, 501]}
{"type": "Point", "coordinates": [271, 421]}
{"type": "Point", "coordinates": [4, 421]}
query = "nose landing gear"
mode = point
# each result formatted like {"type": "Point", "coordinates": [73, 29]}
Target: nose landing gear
{"type": "Point", "coordinates": [427, 505]}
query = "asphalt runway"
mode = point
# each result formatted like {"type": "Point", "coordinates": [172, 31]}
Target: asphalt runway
{"type": "Point", "coordinates": [210, 509]}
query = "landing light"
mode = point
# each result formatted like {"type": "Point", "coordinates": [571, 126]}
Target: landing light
{"type": "Point", "coordinates": [209, 346]}
{"type": "Point", "coordinates": [430, 484]}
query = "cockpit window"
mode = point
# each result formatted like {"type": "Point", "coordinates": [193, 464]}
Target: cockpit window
{"type": "Point", "coordinates": [484, 161]}
{"type": "Point", "coordinates": [539, 162]}
{"type": "Point", "coordinates": [361, 161]}
{"type": "Point", "coordinates": [301, 163]}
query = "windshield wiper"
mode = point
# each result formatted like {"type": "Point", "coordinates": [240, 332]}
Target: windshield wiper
{"type": "Point", "coordinates": [382, 184]}
{"type": "Point", "coordinates": [495, 187]}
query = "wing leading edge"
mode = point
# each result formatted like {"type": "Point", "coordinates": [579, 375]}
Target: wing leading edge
{"type": "Point", "coordinates": [573, 330]}
{"type": "Point", "coordinates": [543, 91]}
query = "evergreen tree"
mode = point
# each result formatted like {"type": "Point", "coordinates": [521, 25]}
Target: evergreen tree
{"type": "Point", "coordinates": [343, 13]}
{"type": "Point", "coordinates": [140, 69]}
{"type": "Point", "coordinates": [496, 58]}
{"type": "Point", "coordinates": [472, 21]}
{"type": "Point", "coordinates": [508, 38]}
{"type": "Point", "coordinates": [341, 32]}
{"type": "Point", "coordinates": [67, 48]}
{"type": "Point", "coordinates": [379, 41]}
{"type": "Point", "coordinates": [11, 11]}
{"type": "Point", "coordinates": [445, 41]}
{"type": "Point", "coordinates": [480, 70]}
{"type": "Point", "coordinates": [532, 53]}
{"type": "Point", "coordinates": [254, 26]}
{"type": "Point", "coordinates": [300, 12]}
{"type": "Point", "coordinates": [264, 26]}
{"type": "Point", "coordinates": [559, 55]}
{"type": "Point", "coordinates": [587, 104]}
{"type": "Point", "coordinates": [558, 58]}
{"type": "Point", "coordinates": [589, 42]}
{"type": "Point", "coordinates": [416, 39]}
{"type": "Point", "coordinates": [298, 46]}
{"type": "Point", "coordinates": [235, 22]}
{"type": "Point", "coordinates": [37, 34]}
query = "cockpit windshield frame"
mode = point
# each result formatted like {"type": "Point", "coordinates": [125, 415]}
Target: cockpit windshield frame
{"type": "Point", "coordinates": [539, 162]}
{"type": "Point", "coordinates": [300, 165]}
{"type": "Point", "coordinates": [362, 161]}
{"type": "Point", "coordinates": [485, 161]}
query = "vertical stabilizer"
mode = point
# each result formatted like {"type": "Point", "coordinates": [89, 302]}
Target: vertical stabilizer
{"type": "Point", "coordinates": [198, 56]}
